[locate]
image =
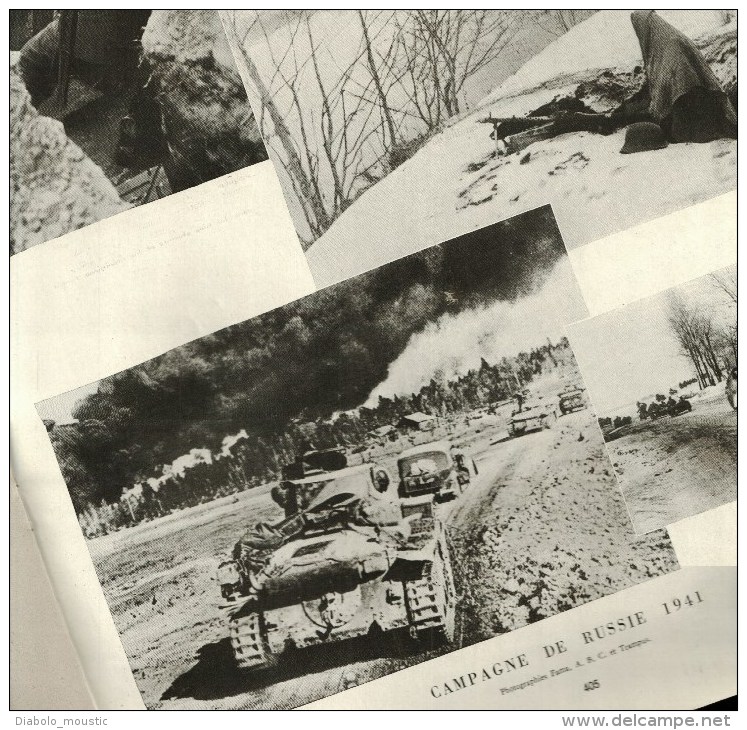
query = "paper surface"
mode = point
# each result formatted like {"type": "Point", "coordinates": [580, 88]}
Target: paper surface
{"type": "Point", "coordinates": [622, 651]}
{"type": "Point", "coordinates": [72, 366]}
{"type": "Point", "coordinates": [45, 671]}
{"type": "Point", "coordinates": [658, 254]}
{"type": "Point", "coordinates": [106, 297]}
{"type": "Point", "coordinates": [133, 286]}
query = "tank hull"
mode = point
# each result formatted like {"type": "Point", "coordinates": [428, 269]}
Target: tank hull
{"type": "Point", "coordinates": [352, 568]}
{"type": "Point", "coordinates": [418, 595]}
{"type": "Point", "coordinates": [337, 616]}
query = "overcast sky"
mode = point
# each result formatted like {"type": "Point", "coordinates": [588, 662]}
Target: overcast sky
{"type": "Point", "coordinates": [60, 409]}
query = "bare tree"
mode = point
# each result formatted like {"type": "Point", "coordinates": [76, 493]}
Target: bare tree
{"type": "Point", "coordinates": [323, 146]}
{"type": "Point", "coordinates": [684, 322]}
{"type": "Point", "coordinates": [300, 172]}
{"type": "Point", "coordinates": [442, 49]}
{"type": "Point", "coordinates": [707, 335]}
{"type": "Point", "coordinates": [726, 282]}
{"type": "Point", "coordinates": [708, 343]}
{"type": "Point", "coordinates": [377, 71]}
{"type": "Point", "coordinates": [389, 66]}
{"type": "Point", "coordinates": [337, 130]}
{"type": "Point", "coordinates": [726, 340]}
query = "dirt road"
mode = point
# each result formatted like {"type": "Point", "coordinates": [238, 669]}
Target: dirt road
{"type": "Point", "coordinates": [672, 468]}
{"type": "Point", "coordinates": [542, 528]}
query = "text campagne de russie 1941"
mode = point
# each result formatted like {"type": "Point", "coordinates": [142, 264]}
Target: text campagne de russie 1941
{"type": "Point", "coordinates": [601, 642]}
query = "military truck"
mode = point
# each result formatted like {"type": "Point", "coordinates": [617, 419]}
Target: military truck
{"type": "Point", "coordinates": [433, 468]}
{"type": "Point", "coordinates": [349, 559]}
{"type": "Point", "coordinates": [531, 418]}
{"type": "Point", "coordinates": [315, 461]}
{"type": "Point", "coordinates": [571, 400]}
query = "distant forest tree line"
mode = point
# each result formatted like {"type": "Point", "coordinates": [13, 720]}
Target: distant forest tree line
{"type": "Point", "coordinates": [322, 354]}
{"type": "Point", "coordinates": [256, 459]}
{"type": "Point", "coordinates": [708, 341]}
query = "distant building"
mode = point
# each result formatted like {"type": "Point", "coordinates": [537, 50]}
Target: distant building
{"type": "Point", "coordinates": [383, 432]}
{"type": "Point", "coordinates": [417, 422]}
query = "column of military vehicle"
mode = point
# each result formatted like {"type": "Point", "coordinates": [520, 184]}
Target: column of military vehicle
{"type": "Point", "coordinates": [356, 553]}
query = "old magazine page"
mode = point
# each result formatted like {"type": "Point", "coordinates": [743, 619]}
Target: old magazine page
{"type": "Point", "coordinates": [378, 539]}
{"type": "Point", "coordinates": [379, 359]}
{"type": "Point", "coordinates": [482, 458]}
{"type": "Point", "coordinates": [114, 109]}
{"type": "Point", "coordinates": [384, 145]}
{"type": "Point", "coordinates": [114, 293]}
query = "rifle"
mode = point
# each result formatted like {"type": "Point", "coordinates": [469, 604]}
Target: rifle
{"type": "Point", "coordinates": [527, 130]}
{"type": "Point", "coordinates": [68, 31]}
{"type": "Point", "coordinates": [531, 121]}
{"type": "Point", "coordinates": [538, 121]}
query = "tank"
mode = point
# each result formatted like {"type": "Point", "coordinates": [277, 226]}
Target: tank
{"type": "Point", "coordinates": [433, 468]}
{"type": "Point", "coordinates": [315, 461]}
{"type": "Point", "coordinates": [531, 418]}
{"type": "Point", "coordinates": [571, 400]}
{"type": "Point", "coordinates": [349, 559]}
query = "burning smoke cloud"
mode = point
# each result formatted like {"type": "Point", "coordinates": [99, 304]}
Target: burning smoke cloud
{"type": "Point", "coordinates": [455, 343]}
{"type": "Point", "coordinates": [230, 441]}
{"type": "Point", "coordinates": [438, 309]}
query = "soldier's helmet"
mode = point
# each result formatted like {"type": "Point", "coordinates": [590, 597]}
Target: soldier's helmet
{"type": "Point", "coordinates": [642, 137]}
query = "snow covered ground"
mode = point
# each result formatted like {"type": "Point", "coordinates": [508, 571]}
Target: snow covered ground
{"type": "Point", "coordinates": [673, 468]}
{"type": "Point", "coordinates": [456, 184]}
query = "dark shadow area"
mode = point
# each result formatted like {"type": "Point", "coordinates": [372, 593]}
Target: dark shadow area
{"type": "Point", "coordinates": [729, 703]}
{"type": "Point", "coordinates": [501, 440]}
{"type": "Point", "coordinates": [95, 128]}
{"type": "Point", "coordinates": [216, 676]}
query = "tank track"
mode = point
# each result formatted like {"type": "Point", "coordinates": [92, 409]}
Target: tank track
{"type": "Point", "coordinates": [249, 643]}
{"type": "Point", "coordinates": [430, 601]}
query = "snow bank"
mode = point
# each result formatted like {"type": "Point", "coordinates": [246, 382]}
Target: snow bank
{"type": "Point", "coordinates": [595, 190]}
{"type": "Point", "coordinates": [456, 184]}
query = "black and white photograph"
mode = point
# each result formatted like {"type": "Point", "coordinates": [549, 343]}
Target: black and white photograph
{"type": "Point", "coordinates": [662, 374]}
{"type": "Point", "coordinates": [394, 128]}
{"type": "Point", "coordinates": [111, 109]}
{"type": "Point", "coordinates": [387, 470]}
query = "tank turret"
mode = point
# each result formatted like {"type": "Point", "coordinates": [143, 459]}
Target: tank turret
{"type": "Point", "coordinates": [348, 559]}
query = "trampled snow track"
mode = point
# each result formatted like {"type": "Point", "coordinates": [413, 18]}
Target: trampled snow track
{"type": "Point", "coordinates": [672, 468]}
